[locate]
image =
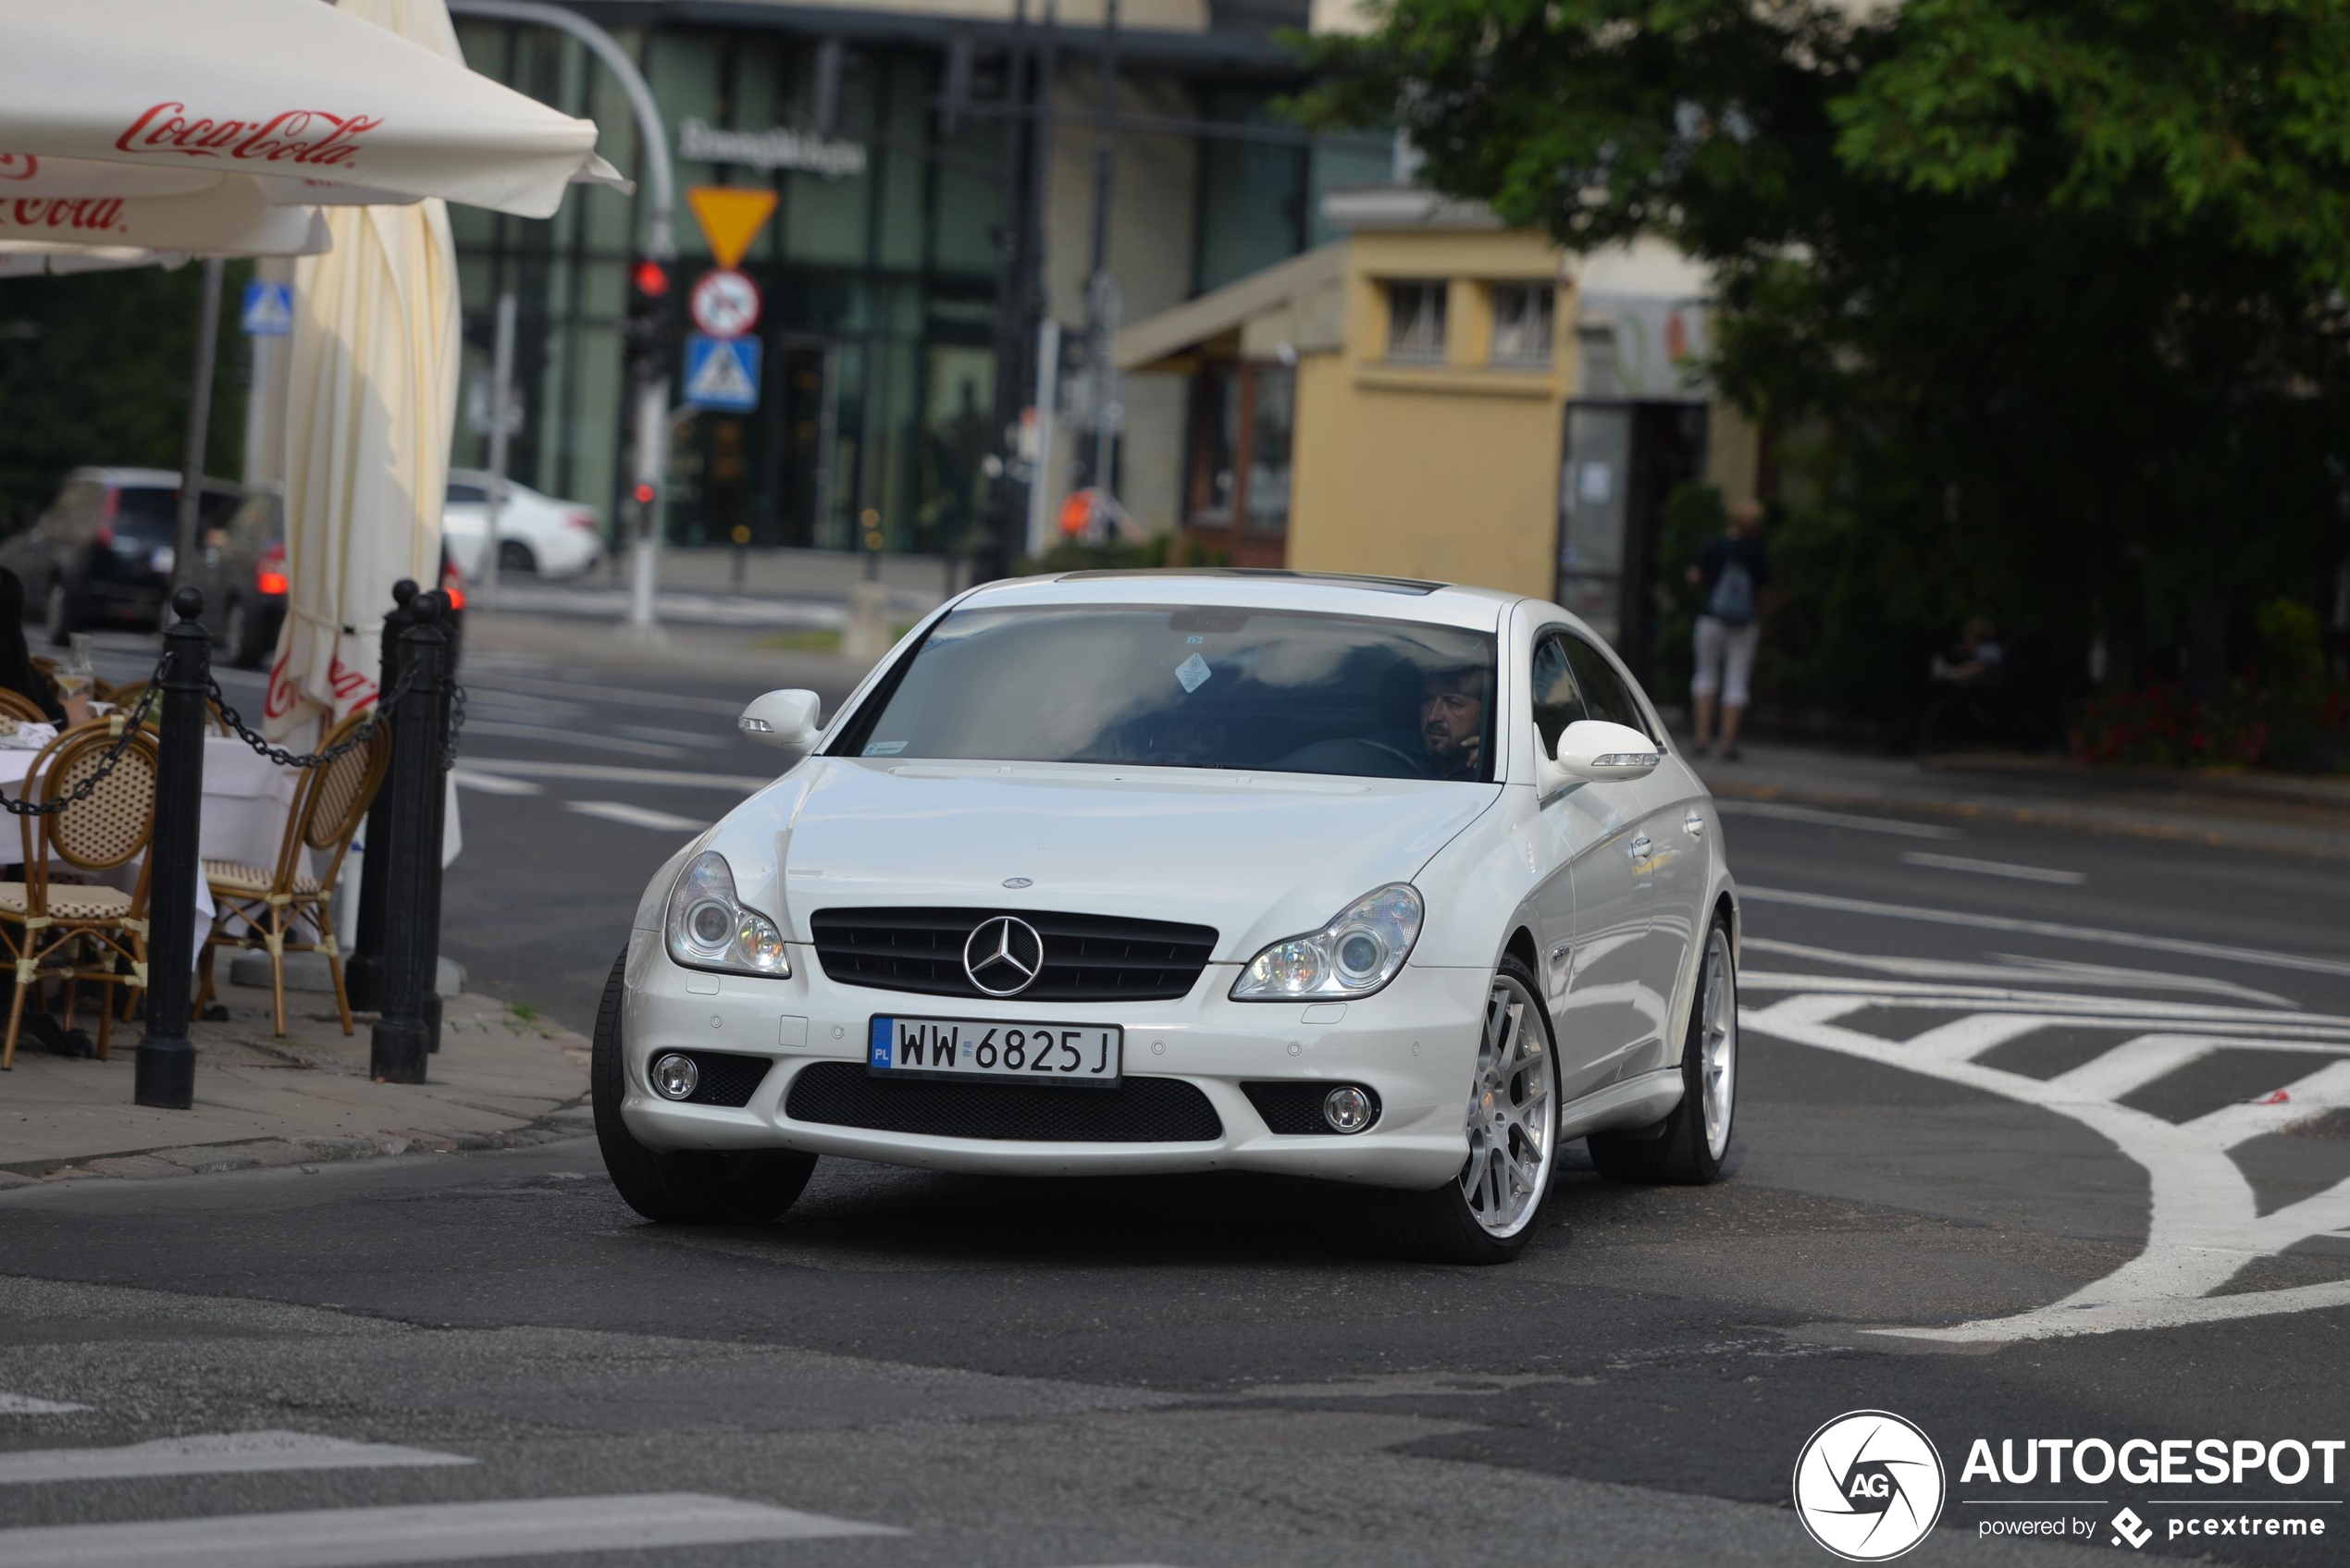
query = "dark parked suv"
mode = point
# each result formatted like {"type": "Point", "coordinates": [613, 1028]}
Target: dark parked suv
{"type": "Point", "coordinates": [101, 552]}
{"type": "Point", "coordinates": [240, 566]}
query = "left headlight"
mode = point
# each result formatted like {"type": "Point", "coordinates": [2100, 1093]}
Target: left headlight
{"type": "Point", "coordinates": [709, 928]}
{"type": "Point", "coordinates": [1356, 953]}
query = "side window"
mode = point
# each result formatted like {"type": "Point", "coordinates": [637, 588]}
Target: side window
{"type": "Point", "coordinates": [1558, 696]}
{"type": "Point", "coordinates": [468, 495]}
{"type": "Point", "coordinates": [1604, 690]}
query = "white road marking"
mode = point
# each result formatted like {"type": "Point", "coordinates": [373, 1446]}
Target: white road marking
{"type": "Point", "coordinates": [356, 1537]}
{"type": "Point", "coordinates": [494, 784]}
{"type": "Point", "coordinates": [587, 740]}
{"type": "Point", "coordinates": [2204, 1223]}
{"type": "Point", "coordinates": [25, 1404]}
{"type": "Point", "coordinates": [2015, 967]}
{"type": "Point", "coordinates": [212, 1453]}
{"type": "Point", "coordinates": [635, 816]}
{"type": "Point", "coordinates": [2320, 1031]}
{"type": "Point", "coordinates": [603, 773]}
{"type": "Point", "coordinates": [1786, 813]}
{"type": "Point", "coordinates": [2008, 868]}
{"type": "Point", "coordinates": [699, 739]}
{"type": "Point", "coordinates": [2047, 928]}
{"type": "Point", "coordinates": [594, 693]}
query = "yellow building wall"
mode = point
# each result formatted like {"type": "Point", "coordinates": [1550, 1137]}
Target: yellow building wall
{"type": "Point", "coordinates": [1448, 471]}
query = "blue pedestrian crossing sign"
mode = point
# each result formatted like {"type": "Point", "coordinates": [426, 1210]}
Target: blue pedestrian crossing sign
{"type": "Point", "coordinates": [269, 309]}
{"type": "Point", "coordinates": [722, 373]}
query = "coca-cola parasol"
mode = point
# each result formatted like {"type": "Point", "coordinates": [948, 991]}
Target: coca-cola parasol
{"type": "Point", "coordinates": [284, 92]}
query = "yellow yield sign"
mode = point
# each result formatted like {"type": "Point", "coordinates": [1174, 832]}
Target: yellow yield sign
{"type": "Point", "coordinates": [731, 217]}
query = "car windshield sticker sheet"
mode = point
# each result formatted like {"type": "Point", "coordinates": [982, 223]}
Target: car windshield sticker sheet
{"type": "Point", "coordinates": [1193, 671]}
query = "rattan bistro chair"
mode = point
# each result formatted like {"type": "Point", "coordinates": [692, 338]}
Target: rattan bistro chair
{"type": "Point", "coordinates": [17, 706]}
{"type": "Point", "coordinates": [67, 931]}
{"type": "Point", "coordinates": [266, 909]}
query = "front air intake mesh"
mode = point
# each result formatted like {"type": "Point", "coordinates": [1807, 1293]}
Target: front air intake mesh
{"type": "Point", "coordinates": [1140, 1110]}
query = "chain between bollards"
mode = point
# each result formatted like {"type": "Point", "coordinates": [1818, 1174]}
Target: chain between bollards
{"type": "Point", "coordinates": [407, 1026]}
{"type": "Point", "coordinates": [166, 1070]}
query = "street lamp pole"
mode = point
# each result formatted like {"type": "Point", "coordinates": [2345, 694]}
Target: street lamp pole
{"type": "Point", "coordinates": [649, 397]}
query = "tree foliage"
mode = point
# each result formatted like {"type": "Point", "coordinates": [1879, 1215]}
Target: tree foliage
{"type": "Point", "coordinates": [2058, 285]}
{"type": "Point", "coordinates": [94, 369]}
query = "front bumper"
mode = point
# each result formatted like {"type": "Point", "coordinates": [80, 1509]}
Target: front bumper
{"type": "Point", "coordinates": [1414, 1044]}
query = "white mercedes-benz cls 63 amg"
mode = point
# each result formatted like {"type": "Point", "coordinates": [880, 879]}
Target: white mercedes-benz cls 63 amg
{"type": "Point", "coordinates": [1378, 881]}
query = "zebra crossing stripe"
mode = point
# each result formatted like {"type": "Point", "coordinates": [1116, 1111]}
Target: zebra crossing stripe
{"type": "Point", "coordinates": [360, 1538]}
{"type": "Point", "coordinates": [212, 1453]}
{"type": "Point", "coordinates": [25, 1404]}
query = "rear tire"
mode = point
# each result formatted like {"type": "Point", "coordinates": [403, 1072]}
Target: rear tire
{"type": "Point", "coordinates": [241, 637]}
{"type": "Point", "coordinates": [515, 556]}
{"type": "Point", "coordinates": [685, 1187]}
{"type": "Point", "coordinates": [1486, 1214]}
{"type": "Point", "coordinates": [1693, 1143]}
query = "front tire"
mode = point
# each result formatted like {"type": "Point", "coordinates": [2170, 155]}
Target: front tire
{"type": "Point", "coordinates": [515, 556]}
{"type": "Point", "coordinates": [1486, 1215]}
{"type": "Point", "coordinates": [1694, 1140]}
{"type": "Point", "coordinates": [684, 1187]}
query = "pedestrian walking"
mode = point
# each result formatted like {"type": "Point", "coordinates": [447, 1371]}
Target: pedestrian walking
{"type": "Point", "coordinates": [1731, 572]}
{"type": "Point", "coordinates": [18, 673]}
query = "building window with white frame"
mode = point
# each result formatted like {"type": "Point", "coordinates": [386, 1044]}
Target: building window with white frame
{"type": "Point", "coordinates": [1523, 313]}
{"type": "Point", "coordinates": [1415, 321]}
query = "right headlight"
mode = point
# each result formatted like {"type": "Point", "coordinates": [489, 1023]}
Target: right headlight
{"type": "Point", "coordinates": [709, 928]}
{"type": "Point", "coordinates": [1359, 952]}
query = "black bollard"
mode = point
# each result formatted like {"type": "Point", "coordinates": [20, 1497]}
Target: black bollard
{"type": "Point", "coordinates": [164, 1074]}
{"type": "Point", "coordinates": [363, 971]}
{"type": "Point", "coordinates": [404, 1032]}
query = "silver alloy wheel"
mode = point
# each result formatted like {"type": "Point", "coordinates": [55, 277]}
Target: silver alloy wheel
{"type": "Point", "coordinates": [1718, 1043]}
{"type": "Point", "coordinates": [1513, 1117]}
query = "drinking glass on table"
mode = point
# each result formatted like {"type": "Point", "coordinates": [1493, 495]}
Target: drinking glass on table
{"type": "Point", "coordinates": [75, 679]}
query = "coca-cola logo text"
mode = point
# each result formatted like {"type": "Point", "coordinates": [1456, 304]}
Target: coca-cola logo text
{"type": "Point", "coordinates": [81, 213]}
{"type": "Point", "coordinates": [19, 165]}
{"type": "Point", "coordinates": [301, 136]}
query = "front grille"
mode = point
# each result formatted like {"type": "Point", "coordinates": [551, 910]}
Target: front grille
{"type": "Point", "coordinates": [1087, 958]}
{"type": "Point", "coordinates": [1140, 1110]}
{"type": "Point", "coordinates": [1294, 1108]}
{"type": "Point", "coordinates": [726, 1079]}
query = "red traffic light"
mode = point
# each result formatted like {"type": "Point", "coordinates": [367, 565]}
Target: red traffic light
{"type": "Point", "coordinates": [651, 279]}
{"type": "Point", "coordinates": [643, 494]}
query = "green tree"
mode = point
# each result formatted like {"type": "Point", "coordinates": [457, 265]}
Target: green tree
{"type": "Point", "coordinates": [94, 369]}
{"type": "Point", "coordinates": [2058, 285]}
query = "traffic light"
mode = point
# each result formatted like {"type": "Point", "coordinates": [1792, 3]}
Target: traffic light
{"type": "Point", "coordinates": [645, 333]}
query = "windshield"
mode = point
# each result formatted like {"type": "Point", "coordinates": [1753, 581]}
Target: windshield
{"type": "Point", "coordinates": [1272, 691]}
{"type": "Point", "coordinates": [151, 513]}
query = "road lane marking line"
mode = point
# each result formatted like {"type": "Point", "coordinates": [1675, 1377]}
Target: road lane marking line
{"type": "Point", "coordinates": [494, 784]}
{"type": "Point", "coordinates": [2203, 1222]}
{"type": "Point", "coordinates": [25, 1404]}
{"type": "Point", "coordinates": [635, 816]}
{"type": "Point", "coordinates": [2328, 1089]}
{"type": "Point", "coordinates": [603, 772]}
{"type": "Point", "coordinates": [212, 1453]}
{"type": "Point", "coordinates": [524, 685]}
{"type": "Point", "coordinates": [2008, 868]}
{"type": "Point", "coordinates": [2047, 928]}
{"type": "Point", "coordinates": [359, 1538]}
{"type": "Point", "coordinates": [1783, 812]}
{"type": "Point", "coordinates": [697, 739]}
{"type": "Point", "coordinates": [2012, 967]}
{"type": "Point", "coordinates": [2118, 1012]}
{"type": "Point", "coordinates": [582, 738]}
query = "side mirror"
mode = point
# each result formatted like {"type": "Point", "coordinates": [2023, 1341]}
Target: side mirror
{"type": "Point", "coordinates": [785, 719]}
{"type": "Point", "coordinates": [1594, 751]}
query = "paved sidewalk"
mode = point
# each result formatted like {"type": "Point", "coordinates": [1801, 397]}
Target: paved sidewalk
{"type": "Point", "coordinates": [500, 1079]}
{"type": "Point", "coordinates": [2292, 816]}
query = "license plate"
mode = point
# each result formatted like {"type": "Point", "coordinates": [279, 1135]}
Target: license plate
{"type": "Point", "coordinates": [1034, 1052]}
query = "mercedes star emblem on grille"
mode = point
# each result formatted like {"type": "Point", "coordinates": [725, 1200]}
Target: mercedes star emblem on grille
{"type": "Point", "coordinates": [1004, 955]}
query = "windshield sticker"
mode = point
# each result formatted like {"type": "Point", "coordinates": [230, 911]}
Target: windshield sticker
{"type": "Point", "coordinates": [1192, 672]}
{"type": "Point", "coordinates": [885, 749]}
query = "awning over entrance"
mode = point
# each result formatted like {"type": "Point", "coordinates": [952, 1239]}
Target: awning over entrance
{"type": "Point", "coordinates": [1300, 302]}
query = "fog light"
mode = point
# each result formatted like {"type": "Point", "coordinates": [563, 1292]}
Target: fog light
{"type": "Point", "coordinates": [1347, 1109]}
{"type": "Point", "coordinates": [674, 1076]}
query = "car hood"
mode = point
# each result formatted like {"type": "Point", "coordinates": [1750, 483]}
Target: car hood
{"type": "Point", "coordinates": [1257, 856]}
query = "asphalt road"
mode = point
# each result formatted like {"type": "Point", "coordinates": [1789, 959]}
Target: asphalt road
{"type": "Point", "coordinates": [2014, 1168]}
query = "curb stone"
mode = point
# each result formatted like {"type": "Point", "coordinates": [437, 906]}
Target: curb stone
{"type": "Point", "coordinates": [144, 1165]}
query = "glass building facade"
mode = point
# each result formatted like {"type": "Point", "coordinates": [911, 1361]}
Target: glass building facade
{"type": "Point", "coordinates": [879, 272]}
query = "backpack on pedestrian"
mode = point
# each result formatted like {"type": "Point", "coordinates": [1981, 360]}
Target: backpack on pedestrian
{"type": "Point", "coordinates": [1732, 601]}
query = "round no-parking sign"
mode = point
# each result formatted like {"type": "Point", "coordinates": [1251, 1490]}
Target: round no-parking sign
{"type": "Point", "coordinates": [724, 304]}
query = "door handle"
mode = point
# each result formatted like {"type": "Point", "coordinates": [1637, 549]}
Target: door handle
{"type": "Point", "coordinates": [1640, 848]}
{"type": "Point", "coordinates": [1694, 825]}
